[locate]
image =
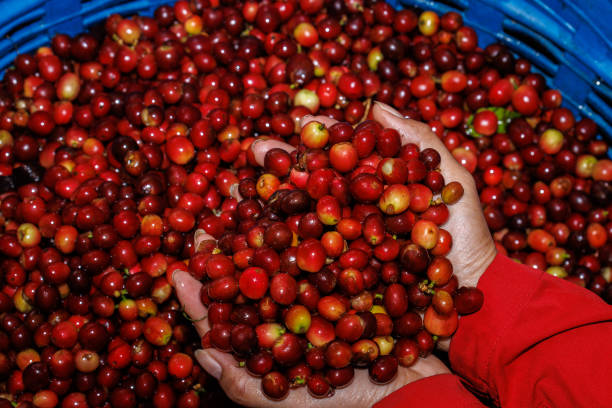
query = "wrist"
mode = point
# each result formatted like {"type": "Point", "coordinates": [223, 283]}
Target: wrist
{"type": "Point", "coordinates": [472, 274]}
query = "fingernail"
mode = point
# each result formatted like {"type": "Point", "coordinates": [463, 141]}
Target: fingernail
{"type": "Point", "coordinates": [197, 240]}
{"type": "Point", "coordinates": [234, 191]}
{"type": "Point", "coordinates": [175, 277]}
{"type": "Point", "coordinates": [254, 142]}
{"type": "Point", "coordinates": [209, 364]}
{"type": "Point", "coordinates": [389, 109]}
{"type": "Point", "coordinates": [197, 233]}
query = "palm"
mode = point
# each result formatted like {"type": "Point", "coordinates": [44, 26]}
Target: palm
{"type": "Point", "coordinates": [246, 390]}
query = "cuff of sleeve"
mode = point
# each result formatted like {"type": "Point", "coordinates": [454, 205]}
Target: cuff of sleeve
{"type": "Point", "coordinates": [442, 390]}
{"type": "Point", "coordinates": [506, 292]}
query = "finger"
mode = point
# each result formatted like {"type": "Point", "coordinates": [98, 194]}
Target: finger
{"type": "Point", "coordinates": [444, 344]}
{"type": "Point", "coordinates": [327, 121]}
{"type": "Point", "coordinates": [410, 130]}
{"type": "Point", "coordinates": [235, 381]}
{"type": "Point", "coordinates": [428, 366]}
{"type": "Point", "coordinates": [422, 368]}
{"type": "Point", "coordinates": [360, 392]}
{"type": "Point", "coordinates": [188, 291]}
{"type": "Point", "coordinates": [240, 386]}
{"type": "Point", "coordinates": [246, 389]}
{"type": "Point", "coordinates": [235, 192]}
{"type": "Point", "coordinates": [201, 239]}
{"type": "Point", "coordinates": [262, 146]}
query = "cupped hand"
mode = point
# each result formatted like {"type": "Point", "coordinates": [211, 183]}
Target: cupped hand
{"type": "Point", "coordinates": [471, 254]}
{"type": "Point", "coordinates": [473, 248]}
{"type": "Point", "coordinates": [245, 389]}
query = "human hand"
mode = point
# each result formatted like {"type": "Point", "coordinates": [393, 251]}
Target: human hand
{"type": "Point", "coordinates": [469, 262]}
{"type": "Point", "coordinates": [245, 389]}
{"type": "Point", "coordinates": [473, 248]}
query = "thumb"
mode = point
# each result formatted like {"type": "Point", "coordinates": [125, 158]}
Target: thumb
{"type": "Point", "coordinates": [410, 130]}
{"type": "Point", "coordinates": [261, 146]}
{"type": "Point", "coordinates": [202, 240]}
{"type": "Point", "coordinates": [209, 363]}
{"type": "Point", "coordinates": [327, 121]}
{"type": "Point", "coordinates": [188, 291]}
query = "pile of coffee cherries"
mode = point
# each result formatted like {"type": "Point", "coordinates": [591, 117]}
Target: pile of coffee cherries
{"type": "Point", "coordinates": [547, 198]}
{"type": "Point", "coordinates": [338, 247]}
{"type": "Point", "coordinates": [117, 144]}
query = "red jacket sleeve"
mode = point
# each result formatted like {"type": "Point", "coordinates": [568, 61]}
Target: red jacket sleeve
{"type": "Point", "coordinates": [444, 390]}
{"type": "Point", "coordinates": [538, 341]}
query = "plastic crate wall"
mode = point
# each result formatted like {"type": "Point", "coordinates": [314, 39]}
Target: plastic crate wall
{"type": "Point", "coordinates": [569, 43]}
{"type": "Point", "coordinates": [26, 25]}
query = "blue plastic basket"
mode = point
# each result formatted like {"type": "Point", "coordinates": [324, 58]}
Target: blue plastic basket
{"type": "Point", "coordinates": [569, 43]}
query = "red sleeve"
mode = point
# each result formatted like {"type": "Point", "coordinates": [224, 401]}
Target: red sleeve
{"type": "Point", "coordinates": [444, 390]}
{"type": "Point", "coordinates": [538, 341]}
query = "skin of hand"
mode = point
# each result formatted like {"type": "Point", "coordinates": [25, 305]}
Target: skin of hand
{"type": "Point", "coordinates": [473, 248]}
{"type": "Point", "coordinates": [466, 224]}
{"type": "Point", "coordinates": [245, 389]}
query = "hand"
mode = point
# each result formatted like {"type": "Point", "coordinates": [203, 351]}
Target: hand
{"type": "Point", "coordinates": [466, 224]}
{"type": "Point", "coordinates": [245, 389]}
{"type": "Point", "coordinates": [473, 248]}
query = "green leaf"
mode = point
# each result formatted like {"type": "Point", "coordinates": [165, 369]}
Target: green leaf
{"type": "Point", "coordinates": [504, 117]}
